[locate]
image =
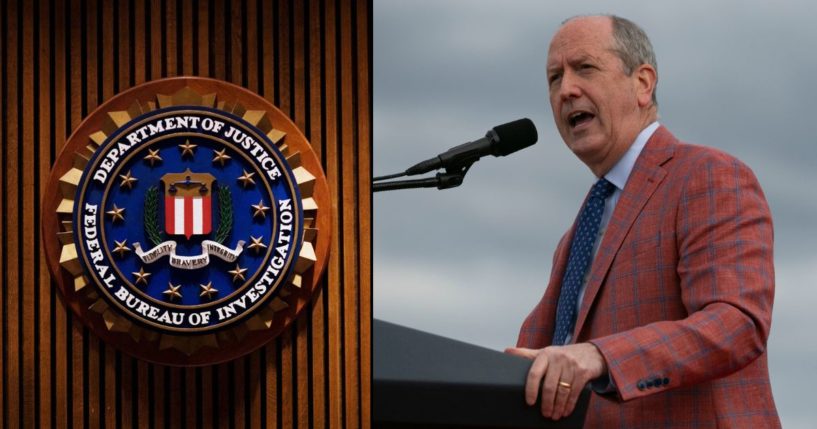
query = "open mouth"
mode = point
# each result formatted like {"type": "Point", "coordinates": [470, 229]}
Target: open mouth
{"type": "Point", "coordinates": [578, 118]}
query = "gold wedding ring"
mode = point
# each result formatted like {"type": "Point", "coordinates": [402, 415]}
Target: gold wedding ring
{"type": "Point", "coordinates": [565, 385]}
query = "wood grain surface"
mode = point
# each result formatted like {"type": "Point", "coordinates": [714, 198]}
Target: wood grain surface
{"type": "Point", "coordinates": [62, 59]}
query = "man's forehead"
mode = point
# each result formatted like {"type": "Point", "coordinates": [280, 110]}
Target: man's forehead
{"type": "Point", "coordinates": [573, 56]}
{"type": "Point", "coordinates": [579, 54]}
{"type": "Point", "coordinates": [584, 24]}
{"type": "Point", "coordinates": [581, 39]}
{"type": "Point", "coordinates": [594, 31]}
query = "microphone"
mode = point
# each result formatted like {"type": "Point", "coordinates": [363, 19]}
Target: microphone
{"type": "Point", "coordinates": [501, 140]}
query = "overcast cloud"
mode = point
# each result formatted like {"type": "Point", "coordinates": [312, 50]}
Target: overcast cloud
{"type": "Point", "coordinates": [471, 262]}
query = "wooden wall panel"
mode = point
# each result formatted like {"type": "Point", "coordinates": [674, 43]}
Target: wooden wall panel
{"type": "Point", "coordinates": [61, 59]}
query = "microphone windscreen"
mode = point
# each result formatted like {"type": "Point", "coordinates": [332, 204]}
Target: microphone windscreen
{"type": "Point", "coordinates": [514, 136]}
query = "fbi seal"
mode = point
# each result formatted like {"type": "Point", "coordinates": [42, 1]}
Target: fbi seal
{"type": "Point", "coordinates": [186, 221]}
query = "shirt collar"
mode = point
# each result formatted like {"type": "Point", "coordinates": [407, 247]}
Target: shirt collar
{"type": "Point", "coordinates": [621, 171]}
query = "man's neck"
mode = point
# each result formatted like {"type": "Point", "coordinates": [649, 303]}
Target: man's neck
{"type": "Point", "coordinates": [612, 158]}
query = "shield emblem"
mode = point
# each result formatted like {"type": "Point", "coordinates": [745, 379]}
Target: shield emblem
{"type": "Point", "coordinates": [188, 203]}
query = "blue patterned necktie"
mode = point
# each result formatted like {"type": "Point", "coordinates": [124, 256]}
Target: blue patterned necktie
{"type": "Point", "coordinates": [581, 255]}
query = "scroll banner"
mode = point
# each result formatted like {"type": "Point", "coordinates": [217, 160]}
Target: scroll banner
{"type": "Point", "coordinates": [208, 247]}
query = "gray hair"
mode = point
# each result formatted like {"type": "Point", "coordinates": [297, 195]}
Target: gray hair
{"type": "Point", "coordinates": [631, 45]}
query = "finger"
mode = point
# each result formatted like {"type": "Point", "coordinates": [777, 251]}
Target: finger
{"type": "Point", "coordinates": [535, 375]}
{"type": "Point", "coordinates": [563, 393]}
{"type": "Point", "coordinates": [522, 352]}
{"type": "Point", "coordinates": [549, 390]}
{"type": "Point", "coordinates": [574, 397]}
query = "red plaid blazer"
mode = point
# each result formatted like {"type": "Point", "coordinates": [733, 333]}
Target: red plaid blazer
{"type": "Point", "coordinates": [679, 297]}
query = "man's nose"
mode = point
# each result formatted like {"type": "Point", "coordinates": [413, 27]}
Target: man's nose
{"type": "Point", "coordinates": [569, 87]}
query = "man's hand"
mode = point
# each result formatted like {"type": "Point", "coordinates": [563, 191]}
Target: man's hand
{"type": "Point", "coordinates": [560, 366]}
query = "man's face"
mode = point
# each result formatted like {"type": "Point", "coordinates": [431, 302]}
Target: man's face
{"type": "Point", "coordinates": [595, 104]}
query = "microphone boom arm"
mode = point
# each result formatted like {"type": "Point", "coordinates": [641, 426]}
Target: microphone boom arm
{"type": "Point", "coordinates": [501, 140]}
{"type": "Point", "coordinates": [451, 178]}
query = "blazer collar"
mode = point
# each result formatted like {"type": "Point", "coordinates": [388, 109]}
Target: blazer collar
{"type": "Point", "coordinates": [647, 174]}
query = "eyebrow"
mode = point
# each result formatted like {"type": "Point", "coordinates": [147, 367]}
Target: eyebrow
{"type": "Point", "coordinates": [579, 59]}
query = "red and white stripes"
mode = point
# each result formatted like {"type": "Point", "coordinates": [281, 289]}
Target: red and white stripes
{"type": "Point", "coordinates": [187, 216]}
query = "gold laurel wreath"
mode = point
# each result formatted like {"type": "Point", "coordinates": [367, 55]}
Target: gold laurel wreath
{"type": "Point", "coordinates": [152, 229]}
{"type": "Point", "coordinates": [225, 211]}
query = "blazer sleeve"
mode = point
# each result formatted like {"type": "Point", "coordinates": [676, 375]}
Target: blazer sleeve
{"type": "Point", "coordinates": [725, 268]}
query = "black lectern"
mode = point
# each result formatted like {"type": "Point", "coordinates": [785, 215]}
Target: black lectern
{"type": "Point", "coordinates": [427, 381]}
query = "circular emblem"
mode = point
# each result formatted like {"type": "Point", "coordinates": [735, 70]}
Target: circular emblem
{"type": "Point", "coordinates": [185, 221]}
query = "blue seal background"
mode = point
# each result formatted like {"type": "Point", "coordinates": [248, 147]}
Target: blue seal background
{"type": "Point", "coordinates": [244, 224]}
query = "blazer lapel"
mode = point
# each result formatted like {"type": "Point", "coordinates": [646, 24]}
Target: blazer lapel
{"type": "Point", "coordinates": [647, 174]}
{"type": "Point", "coordinates": [550, 301]}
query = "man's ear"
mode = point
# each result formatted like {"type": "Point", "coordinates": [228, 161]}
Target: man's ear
{"type": "Point", "coordinates": [646, 79]}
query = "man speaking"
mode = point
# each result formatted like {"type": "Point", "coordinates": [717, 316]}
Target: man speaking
{"type": "Point", "coordinates": [660, 297]}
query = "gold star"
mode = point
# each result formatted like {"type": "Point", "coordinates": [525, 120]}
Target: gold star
{"type": "Point", "coordinates": [173, 291]}
{"type": "Point", "coordinates": [127, 180]}
{"type": "Point", "coordinates": [260, 209]}
{"type": "Point", "coordinates": [141, 276]}
{"type": "Point", "coordinates": [247, 179]}
{"type": "Point", "coordinates": [116, 213]}
{"type": "Point", "coordinates": [187, 148]}
{"type": "Point", "coordinates": [208, 290]}
{"type": "Point", "coordinates": [238, 273]}
{"type": "Point", "coordinates": [153, 156]}
{"type": "Point", "coordinates": [122, 247]}
{"type": "Point", "coordinates": [257, 245]}
{"type": "Point", "coordinates": [221, 156]}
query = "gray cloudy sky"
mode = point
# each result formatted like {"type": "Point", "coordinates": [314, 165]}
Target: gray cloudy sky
{"type": "Point", "coordinates": [471, 262]}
